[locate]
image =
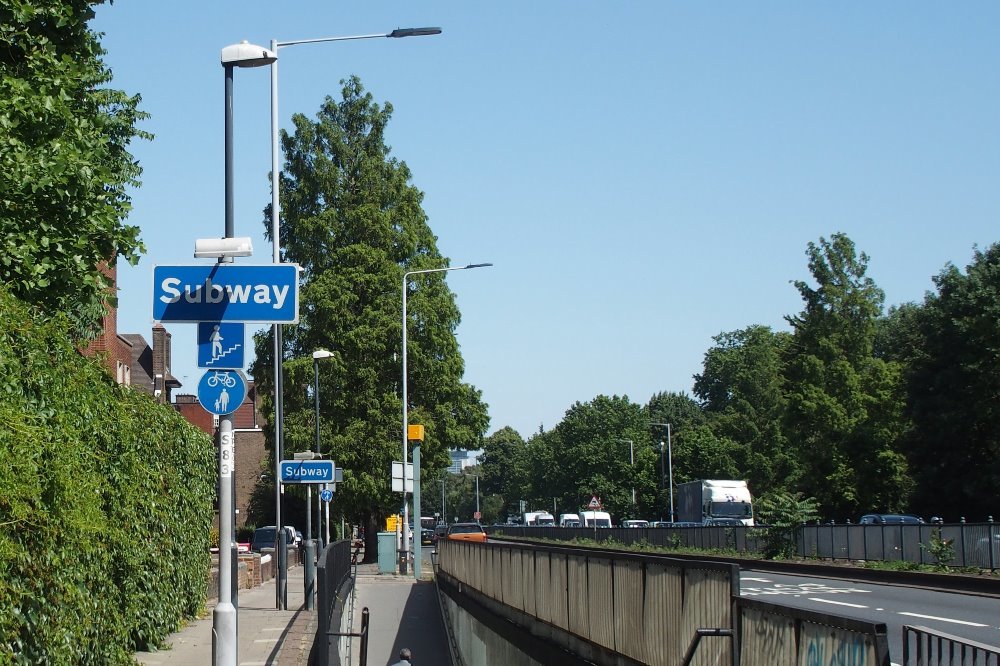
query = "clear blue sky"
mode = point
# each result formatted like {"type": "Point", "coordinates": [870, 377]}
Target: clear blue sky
{"type": "Point", "coordinates": [643, 175]}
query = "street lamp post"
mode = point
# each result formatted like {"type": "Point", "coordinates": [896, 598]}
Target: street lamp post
{"type": "Point", "coordinates": [670, 463]}
{"type": "Point", "coordinates": [281, 597]}
{"type": "Point", "coordinates": [310, 571]}
{"type": "Point", "coordinates": [406, 423]}
{"type": "Point", "coordinates": [224, 625]}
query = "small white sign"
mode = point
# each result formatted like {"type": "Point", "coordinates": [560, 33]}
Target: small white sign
{"type": "Point", "coordinates": [397, 477]}
{"type": "Point", "coordinates": [226, 454]}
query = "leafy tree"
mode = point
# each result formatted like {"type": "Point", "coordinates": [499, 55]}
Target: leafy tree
{"type": "Point", "coordinates": [953, 387]}
{"type": "Point", "coordinates": [782, 513]}
{"type": "Point", "coordinates": [505, 470]}
{"type": "Point", "coordinates": [64, 167]}
{"type": "Point", "coordinates": [590, 456]}
{"type": "Point", "coordinates": [843, 404]}
{"type": "Point", "coordinates": [353, 222]}
{"type": "Point", "coordinates": [742, 391]}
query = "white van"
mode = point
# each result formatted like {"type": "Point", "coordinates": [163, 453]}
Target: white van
{"type": "Point", "coordinates": [569, 520]}
{"type": "Point", "coordinates": [635, 523]}
{"type": "Point", "coordinates": [595, 519]}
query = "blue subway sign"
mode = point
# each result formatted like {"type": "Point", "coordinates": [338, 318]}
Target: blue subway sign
{"type": "Point", "coordinates": [307, 471]}
{"type": "Point", "coordinates": [267, 294]}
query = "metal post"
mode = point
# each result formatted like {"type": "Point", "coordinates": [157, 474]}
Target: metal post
{"type": "Point", "coordinates": [477, 496]}
{"type": "Point", "coordinates": [281, 587]}
{"type": "Point", "coordinates": [224, 639]}
{"type": "Point", "coordinates": [417, 547]}
{"type": "Point", "coordinates": [670, 463]}
{"type": "Point", "coordinates": [405, 546]}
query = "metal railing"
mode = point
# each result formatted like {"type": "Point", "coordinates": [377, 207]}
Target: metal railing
{"type": "Point", "coordinates": [923, 646]}
{"type": "Point", "coordinates": [333, 571]}
{"type": "Point", "coordinates": [974, 545]}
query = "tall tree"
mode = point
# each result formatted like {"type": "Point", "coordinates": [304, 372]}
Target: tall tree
{"type": "Point", "coordinates": [504, 466]}
{"type": "Point", "coordinates": [602, 448]}
{"type": "Point", "coordinates": [843, 413]}
{"type": "Point", "coordinates": [954, 387]}
{"type": "Point", "coordinates": [742, 391]}
{"type": "Point", "coordinates": [64, 167]}
{"type": "Point", "coordinates": [354, 223]}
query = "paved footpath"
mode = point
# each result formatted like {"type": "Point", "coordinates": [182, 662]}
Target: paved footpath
{"type": "Point", "coordinates": [403, 612]}
{"type": "Point", "coordinates": [265, 635]}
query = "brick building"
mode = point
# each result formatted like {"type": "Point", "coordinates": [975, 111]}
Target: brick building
{"type": "Point", "coordinates": [132, 361]}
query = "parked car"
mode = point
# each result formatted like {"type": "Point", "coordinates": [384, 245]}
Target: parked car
{"type": "Point", "coordinates": [635, 523]}
{"type": "Point", "coordinates": [889, 519]}
{"type": "Point", "coordinates": [466, 532]}
{"type": "Point", "coordinates": [264, 537]}
{"type": "Point", "coordinates": [426, 536]}
{"type": "Point", "coordinates": [440, 531]}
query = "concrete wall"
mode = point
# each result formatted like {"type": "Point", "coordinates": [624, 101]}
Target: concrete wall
{"type": "Point", "coordinates": [520, 604]}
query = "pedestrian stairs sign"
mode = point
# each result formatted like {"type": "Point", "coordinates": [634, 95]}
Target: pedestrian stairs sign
{"type": "Point", "coordinates": [221, 345]}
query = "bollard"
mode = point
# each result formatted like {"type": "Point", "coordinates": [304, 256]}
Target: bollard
{"type": "Point", "coordinates": [310, 574]}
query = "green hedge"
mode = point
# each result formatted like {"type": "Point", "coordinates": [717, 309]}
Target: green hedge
{"type": "Point", "coordinates": [105, 505]}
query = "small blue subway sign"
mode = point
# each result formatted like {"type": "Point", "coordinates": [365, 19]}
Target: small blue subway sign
{"type": "Point", "coordinates": [307, 471]}
{"type": "Point", "coordinates": [221, 345]}
{"type": "Point", "coordinates": [267, 294]}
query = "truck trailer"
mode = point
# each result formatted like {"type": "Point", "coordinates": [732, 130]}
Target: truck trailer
{"type": "Point", "coordinates": [708, 501]}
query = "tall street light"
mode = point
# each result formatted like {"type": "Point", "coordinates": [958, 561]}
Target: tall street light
{"type": "Point", "coordinates": [224, 627]}
{"type": "Point", "coordinates": [281, 598]}
{"type": "Point", "coordinates": [670, 462]}
{"type": "Point", "coordinates": [406, 425]}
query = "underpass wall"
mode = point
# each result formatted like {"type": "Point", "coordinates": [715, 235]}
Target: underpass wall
{"type": "Point", "coordinates": [620, 608]}
{"type": "Point", "coordinates": [513, 603]}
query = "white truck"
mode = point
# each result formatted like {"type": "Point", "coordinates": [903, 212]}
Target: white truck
{"type": "Point", "coordinates": [595, 519]}
{"type": "Point", "coordinates": [538, 519]}
{"type": "Point", "coordinates": [569, 520]}
{"type": "Point", "coordinates": [715, 502]}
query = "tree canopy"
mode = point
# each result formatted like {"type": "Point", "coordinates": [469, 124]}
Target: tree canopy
{"type": "Point", "coordinates": [65, 166]}
{"type": "Point", "coordinates": [353, 221]}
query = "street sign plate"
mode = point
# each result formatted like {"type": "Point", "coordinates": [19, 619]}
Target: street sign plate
{"type": "Point", "coordinates": [397, 477]}
{"type": "Point", "coordinates": [221, 345]}
{"type": "Point", "coordinates": [307, 471]}
{"type": "Point", "coordinates": [222, 392]}
{"type": "Point", "coordinates": [266, 293]}
{"type": "Point", "coordinates": [326, 494]}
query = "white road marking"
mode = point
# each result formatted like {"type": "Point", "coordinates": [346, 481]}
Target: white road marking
{"type": "Point", "coordinates": [757, 580]}
{"type": "Point", "coordinates": [838, 603]}
{"type": "Point", "coordinates": [943, 619]}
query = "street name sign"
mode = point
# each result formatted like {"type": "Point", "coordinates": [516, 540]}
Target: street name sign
{"type": "Point", "coordinates": [307, 471]}
{"type": "Point", "coordinates": [222, 392]}
{"type": "Point", "coordinates": [267, 293]}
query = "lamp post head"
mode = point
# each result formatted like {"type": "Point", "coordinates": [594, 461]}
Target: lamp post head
{"type": "Point", "coordinates": [246, 54]}
{"type": "Point", "coordinates": [322, 353]}
{"type": "Point", "coordinates": [413, 32]}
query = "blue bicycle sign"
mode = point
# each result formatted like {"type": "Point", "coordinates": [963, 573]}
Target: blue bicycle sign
{"type": "Point", "coordinates": [222, 392]}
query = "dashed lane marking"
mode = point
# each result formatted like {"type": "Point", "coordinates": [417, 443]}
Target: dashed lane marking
{"type": "Point", "coordinates": [943, 619]}
{"type": "Point", "coordinates": [838, 603]}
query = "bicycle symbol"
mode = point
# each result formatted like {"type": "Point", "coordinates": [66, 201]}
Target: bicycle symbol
{"type": "Point", "coordinates": [224, 378]}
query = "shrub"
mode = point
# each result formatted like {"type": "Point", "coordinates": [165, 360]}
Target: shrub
{"type": "Point", "coordinates": [106, 498]}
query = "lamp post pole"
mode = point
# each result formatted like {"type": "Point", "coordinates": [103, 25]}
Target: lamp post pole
{"type": "Point", "coordinates": [280, 590]}
{"type": "Point", "coordinates": [406, 424]}
{"type": "Point", "coordinates": [224, 624]}
{"type": "Point", "coordinates": [670, 463]}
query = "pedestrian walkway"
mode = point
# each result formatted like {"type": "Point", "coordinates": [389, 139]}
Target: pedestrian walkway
{"type": "Point", "coordinates": [265, 635]}
{"type": "Point", "coordinates": [402, 613]}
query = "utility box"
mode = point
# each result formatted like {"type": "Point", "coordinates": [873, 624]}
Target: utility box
{"type": "Point", "coordinates": [387, 552]}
